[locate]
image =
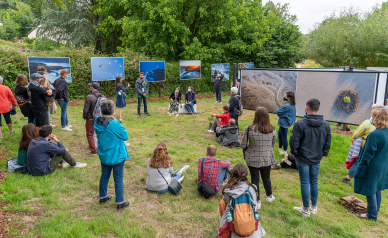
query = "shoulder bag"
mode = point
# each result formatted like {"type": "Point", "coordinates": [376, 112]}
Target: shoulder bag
{"type": "Point", "coordinates": [174, 187]}
{"type": "Point", "coordinates": [204, 188]}
{"type": "Point", "coordinates": [245, 149]}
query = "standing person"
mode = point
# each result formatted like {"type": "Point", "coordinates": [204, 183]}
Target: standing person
{"type": "Point", "coordinates": [175, 98]}
{"type": "Point", "coordinates": [52, 108]}
{"type": "Point", "coordinates": [217, 86]}
{"type": "Point", "coordinates": [5, 97]}
{"type": "Point", "coordinates": [190, 100]}
{"type": "Point", "coordinates": [231, 86]}
{"type": "Point", "coordinates": [111, 135]}
{"type": "Point", "coordinates": [225, 117]}
{"type": "Point", "coordinates": [90, 103]}
{"type": "Point", "coordinates": [120, 95]}
{"type": "Point", "coordinates": [46, 85]}
{"type": "Point", "coordinates": [259, 154]}
{"type": "Point", "coordinates": [372, 170]}
{"type": "Point", "coordinates": [37, 94]}
{"type": "Point", "coordinates": [310, 141]}
{"type": "Point", "coordinates": [142, 89]}
{"type": "Point", "coordinates": [234, 105]}
{"type": "Point", "coordinates": [22, 97]}
{"type": "Point", "coordinates": [287, 117]}
{"type": "Point", "coordinates": [62, 97]}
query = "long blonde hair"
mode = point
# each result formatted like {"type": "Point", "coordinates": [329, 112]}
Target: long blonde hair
{"type": "Point", "coordinates": [160, 157]}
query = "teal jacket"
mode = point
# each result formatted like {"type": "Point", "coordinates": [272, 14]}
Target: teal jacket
{"type": "Point", "coordinates": [111, 135]}
{"type": "Point", "coordinates": [138, 87]}
{"type": "Point", "coordinates": [372, 170]}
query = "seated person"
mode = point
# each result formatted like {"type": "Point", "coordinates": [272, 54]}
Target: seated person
{"type": "Point", "coordinates": [43, 156]}
{"type": "Point", "coordinates": [215, 171]}
{"type": "Point", "coordinates": [190, 100]}
{"type": "Point", "coordinates": [160, 171]}
{"type": "Point", "coordinates": [287, 162]}
{"type": "Point", "coordinates": [175, 98]}
{"type": "Point", "coordinates": [225, 117]}
{"type": "Point", "coordinates": [29, 132]}
{"type": "Point", "coordinates": [228, 135]}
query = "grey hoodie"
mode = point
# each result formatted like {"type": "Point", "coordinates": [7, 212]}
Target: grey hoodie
{"type": "Point", "coordinates": [227, 135]}
{"type": "Point", "coordinates": [235, 193]}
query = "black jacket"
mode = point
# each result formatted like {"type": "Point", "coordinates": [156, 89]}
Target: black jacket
{"type": "Point", "coordinates": [172, 96]}
{"type": "Point", "coordinates": [310, 139]}
{"type": "Point", "coordinates": [217, 80]}
{"type": "Point", "coordinates": [234, 106]}
{"type": "Point", "coordinates": [23, 100]}
{"type": "Point", "coordinates": [37, 95]}
{"type": "Point", "coordinates": [61, 92]}
{"type": "Point", "coordinates": [90, 103]}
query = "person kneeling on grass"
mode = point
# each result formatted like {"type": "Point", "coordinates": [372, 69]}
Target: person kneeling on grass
{"type": "Point", "coordinates": [160, 171]}
{"type": "Point", "coordinates": [287, 163]}
{"type": "Point", "coordinates": [43, 156]}
{"type": "Point", "coordinates": [225, 117]}
{"type": "Point", "coordinates": [228, 135]}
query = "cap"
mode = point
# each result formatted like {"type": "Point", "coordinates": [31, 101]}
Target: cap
{"type": "Point", "coordinates": [95, 85]}
{"type": "Point", "coordinates": [36, 76]}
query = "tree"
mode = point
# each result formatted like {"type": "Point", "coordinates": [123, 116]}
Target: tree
{"type": "Point", "coordinates": [17, 20]}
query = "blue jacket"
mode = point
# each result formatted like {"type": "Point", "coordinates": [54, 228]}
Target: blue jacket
{"type": "Point", "coordinates": [111, 135]}
{"type": "Point", "coordinates": [287, 115]}
{"type": "Point", "coordinates": [190, 96]}
{"type": "Point", "coordinates": [118, 88]}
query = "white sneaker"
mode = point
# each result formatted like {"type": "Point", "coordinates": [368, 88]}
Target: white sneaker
{"type": "Point", "coordinates": [258, 205]}
{"type": "Point", "coordinates": [70, 126]}
{"type": "Point", "coordinates": [301, 210]}
{"type": "Point", "coordinates": [211, 131]}
{"type": "Point", "coordinates": [64, 164]}
{"type": "Point", "coordinates": [90, 153]}
{"type": "Point", "coordinates": [285, 152]}
{"type": "Point", "coordinates": [281, 151]}
{"type": "Point", "coordinates": [216, 101]}
{"type": "Point", "coordinates": [185, 168]}
{"type": "Point", "coordinates": [127, 143]}
{"type": "Point", "coordinates": [314, 211]}
{"type": "Point", "coordinates": [181, 179]}
{"type": "Point", "coordinates": [66, 128]}
{"type": "Point", "coordinates": [79, 165]}
{"type": "Point", "coordinates": [271, 199]}
{"type": "Point", "coordinates": [52, 125]}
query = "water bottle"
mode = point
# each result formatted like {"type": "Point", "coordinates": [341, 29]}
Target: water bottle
{"type": "Point", "coordinates": [256, 215]}
{"type": "Point", "coordinates": [229, 217]}
{"type": "Point", "coordinates": [230, 222]}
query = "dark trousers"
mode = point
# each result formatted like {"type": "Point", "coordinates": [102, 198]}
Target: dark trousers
{"type": "Point", "coordinates": [265, 176]}
{"type": "Point", "coordinates": [89, 125]}
{"type": "Point", "coordinates": [139, 104]}
{"type": "Point", "coordinates": [57, 160]}
{"type": "Point", "coordinates": [218, 93]}
{"type": "Point", "coordinates": [41, 117]}
{"type": "Point", "coordinates": [31, 120]}
{"type": "Point", "coordinates": [282, 134]}
{"type": "Point", "coordinates": [7, 118]}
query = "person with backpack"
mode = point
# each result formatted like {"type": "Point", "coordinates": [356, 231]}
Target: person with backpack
{"type": "Point", "coordinates": [238, 209]}
{"type": "Point", "coordinates": [287, 117]}
{"type": "Point", "coordinates": [235, 105]}
{"type": "Point", "coordinates": [90, 104]}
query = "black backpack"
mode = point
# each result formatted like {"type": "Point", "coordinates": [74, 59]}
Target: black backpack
{"type": "Point", "coordinates": [204, 188]}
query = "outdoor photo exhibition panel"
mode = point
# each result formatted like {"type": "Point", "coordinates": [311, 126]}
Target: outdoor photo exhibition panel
{"type": "Point", "coordinates": [154, 71]}
{"type": "Point", "coordinates": [190, 69]}
{"type": "Point", "coordinates": [250, 65]}
{"type": "Point", "coordinates": [54, 65]}
{"type": "Point", "coordinates": [220, 69]}
{"type": "Point", "coordinates": [382, 92]}
{"type": "Point", "coordinates": [107, 68]}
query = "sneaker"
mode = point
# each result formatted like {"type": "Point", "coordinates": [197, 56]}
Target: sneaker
{"type": "Point", "coordinates": [138, 115]}
{"type": "Point", "coordinates": [12, 132]}
{"type": "Point", "coordinates": [216, 101]}
{"type": "Point", "coordinates": [52, 125]}
{"type": "Point", "coordinates": [285, 152]}
{"type": "Point", "coordinates": [281, 151]}
{"type": "Point", "coordinates": [185, 168]}
{"type": "Point", "coordinates": [70, 126]}
{"type": "Point", "coordinates": [105, 199]}
{"type": "Point", "coordinates": [271, 199]}
{"type": "Point", "coordinates": [64, 164]}
{"type": "Point", "coordinates": [181, 179]}
{"type": "Point", "coordinates": [127, 143]}
{"type": "Point", "coordinates": [90, 153]}
{"type": "Point", "coordinates": [122, 205]}
{"type": "Point", "coordinates": [345, 180]}
{"type": "Point", "coordinates": [148, 114]}
{"type": "Point", "coordinates": [211, 131]}
{"type": "Point", "coordinates": [80, 165]}
{"type": "Point", "coordinates": [66, 128]}
{"type": "Point", "coordinates": [275, 166]}
{"type": "Point", "coordinates": [258, 205]}
{"type": "Point", "coordinates": [314, 211]}
{"type": "Point", "coordinates": [301, 210]}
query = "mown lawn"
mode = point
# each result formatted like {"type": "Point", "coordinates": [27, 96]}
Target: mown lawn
{"type": "Point", "coordinates": [67, 200]}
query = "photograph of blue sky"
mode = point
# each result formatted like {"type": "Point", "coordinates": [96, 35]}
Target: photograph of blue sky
{"type": "Point", "coordinates": [107, 68]}
{"type": "Point", "coordinates": [154, 71]}
{"type": "Point", "coordinates": [54, 65]}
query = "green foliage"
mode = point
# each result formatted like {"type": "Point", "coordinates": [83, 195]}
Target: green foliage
{"type": "Point", "coordinates": [43, 44]}
{"type": "Point", "coordinates": [347, 99]}
{"type": "Point", "coordinates": [17, 20]}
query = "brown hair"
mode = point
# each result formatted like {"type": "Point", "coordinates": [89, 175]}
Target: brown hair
{"type": "Point", "coordinates": [45, 131]}
{"type": "Point", "coordinates": [262, 121]}
{"type": "Point", "coordinates": [119, 80]}
{"type": "Point", "coordinates": [179, 89]}
{"type": "Point", "coordinates": [21, 80]}
{"type": "Point", "coordinates": [291, 97]}
{"type": "Point", "coordinates": [160, 157]}
{"type": "Point", "coordinates": [211, 150]}
{"type": "Point", "coordinates": [239, 174]}
{"type": "Point", "coordinates": [29, 132]}
{"type": "Point", "coordinates": [42, 68]}
{"type": "Point", "coordinates": [226, 108]}
{"type": "Point", "coordinates": [63, 72]}
{"type": "Point", "coordinates": [380, 118]}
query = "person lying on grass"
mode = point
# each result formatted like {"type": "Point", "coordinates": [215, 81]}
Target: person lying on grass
{"type": "Point", "coordinates": [287, 163]}
{"type": "Point", "coordinates": [43, 156]}
{"type": "Point", "coordinates": [228, 134]}
{"type": "Point", "coordinates": [160, 170]}
{"type": "Point", "coordinates": [225, 117]}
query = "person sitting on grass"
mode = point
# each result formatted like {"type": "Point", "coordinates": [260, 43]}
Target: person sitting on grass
{"type": "Point", "coordinates": [228, 134]}
{"type": "Point", "coordinates": [175, 98]}
{"type": "Point", "coordinates": [225, 117]}
{"type": "Point", "coordinates": [43, 156]}
{"type": "Point", "coordinates": [287, 163]}
{"type": "Point", "coordinates": [160, 170]}
{"type": "Point", "coordinates": [29, 132]}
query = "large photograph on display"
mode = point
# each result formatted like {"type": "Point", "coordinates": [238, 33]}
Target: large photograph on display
{"type": "Point", "coordinates": [154, 71]}
{"type": "Point", "coordinates": [54, 65]}
{"type": "Point", "coordinates": [244, 66]}
{"type": "Point", "coordinates": [107, 68]}
{"type": "Point", "coordinates": [190, 69]}
{"type": "Point", "coordinates": [345, 97]}
{"type": "Point", "coordinates": [220, 69]}
{"type": "Point", "coordinates": [266, 88]}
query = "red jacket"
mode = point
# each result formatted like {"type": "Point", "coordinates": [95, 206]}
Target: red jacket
{"type": "Point", "coordinates": [225, 117]}
{"type": "Point", "coordinates": [5, 96]}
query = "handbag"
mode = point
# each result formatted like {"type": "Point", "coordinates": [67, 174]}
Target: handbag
{"type": "Point", "coordinates": [245, 149]}
{"type": "Point", "coordinates": [204, 188]}
{"type": "Point", "coordinates": [174, 186]}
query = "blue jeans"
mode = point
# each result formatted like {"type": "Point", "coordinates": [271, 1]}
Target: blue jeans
{"type": "Point", "coordinates": [222, 176]}
{"type": "Point", "coordinates": [308, 175]}
{"type": "Point", "coordinates": [373, 207]}
{"type": "Point", "coordinates": [189, 107]}
{"type": "Point", "coordinates": [63, 105]}
{"type": "Point", "coordinates": [178, 176]}
{"type": "Point", "coordinates": [218, 93]}
{"type": "Point", "coordinates": [31, 120]}
{"type": "Point", "coordinates": [352, 170]}
{"type": "Point", "coordinates": [139, 104]}
{"type": "Point", "coordinates": [282, 134]}
{"type": "Point", "coordinates": [118, 176]}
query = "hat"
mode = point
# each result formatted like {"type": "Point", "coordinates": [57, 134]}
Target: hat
{"type": "Point", "coordinates": [36, 76]}
{"type": "Point", "coordinates": [94, 85]}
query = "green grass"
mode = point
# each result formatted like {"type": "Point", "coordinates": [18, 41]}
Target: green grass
{"type": "Point", "coordinates": [68, 199]}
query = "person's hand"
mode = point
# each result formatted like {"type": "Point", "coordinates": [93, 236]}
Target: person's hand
{"type": "Point", "coordinates": [49, 92]}
{"type": "Point", "coordinates": [190, 102]}
{"type": "Point", "coordinates": [286, 156]}
{"type": "Point", "coordinates": [129, 85]}
{"type": "Point", "coordinates": [67, 150]}
{"type": "Point", "coordinates": [54, 137]}
{"type": "Point", "coordinates": [121, 91]}
{"type": "Point", "coordinates": [144, 95]}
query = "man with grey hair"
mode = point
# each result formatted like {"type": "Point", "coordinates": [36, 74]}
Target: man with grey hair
{"type": "Point", "coordinates": [111, 137]}
{"type": "Point", "coordinates": [234, 104]}
{"type": "Point", "coordinates": [228, 134]}
{"type": "Point", "coordinates": [37, 94]}
{"type": "Point", "coordinates": [6, 96]}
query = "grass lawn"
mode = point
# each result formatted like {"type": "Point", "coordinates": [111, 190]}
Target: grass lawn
{"type": "Point", "coordinates": [65, 204]}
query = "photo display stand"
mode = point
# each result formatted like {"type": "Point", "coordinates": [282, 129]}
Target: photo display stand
{"type": "Point", "coordinates": [154, 71]}
{"type": "Point", "coordinates": [189, 69]}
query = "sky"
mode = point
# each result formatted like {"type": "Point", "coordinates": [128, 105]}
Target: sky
{"type": "Point", "coordinates": [309, 12]}
{"type": "Point", "coordinates": [107, 68]}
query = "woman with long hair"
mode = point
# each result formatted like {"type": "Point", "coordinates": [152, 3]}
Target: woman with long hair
{"type": "Point", "coordinates": [160, 170]}
{"type": "Point", "coordinates": [29, 132]}
{"type": "Point", "coordinates": [258, 140]}
{"type": "Point", "coordinates": [287, 117]}
{"type": "Point", "coordinates": [22, 97]}
{"type": "Point", "coordinates": [120, 95]}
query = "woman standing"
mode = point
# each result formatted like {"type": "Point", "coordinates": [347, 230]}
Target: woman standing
{"type": "Point", "coordinates": [120, 95]}
{"type": "Point", "coordinates": [259, 154]}
{"type": "Point", "coordinates": [62, 96]}
{"type": "Point", "coordinates": [45, 83]}
{"type": "Point", "coordinates": [175, 98]}
{"type": "Point", "coordinates": [287, 117]}
{"type": "Point", "coordinates": [190, 100]}
{"type": "Point", "coordinates": [372, 170]}
{"type": "Point", "coordinates": [22, 97]}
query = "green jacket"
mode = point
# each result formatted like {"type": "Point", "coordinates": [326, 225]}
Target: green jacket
{"type": "Point", "coordinates": [138, 87]}
{"type": "Point", "coordinates": [372, 170]}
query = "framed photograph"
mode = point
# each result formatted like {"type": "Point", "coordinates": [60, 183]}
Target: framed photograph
{"type": "Point", "coordinates": [250, 65]}
{"type": "Point", "coordinates": [222, 69]}
{"type": "Point", "coordinates": [53, 65]}
{"type": "Point", "coordinates": [107, 68]}
{"type": "Point", "coordinates": [154, 71]}
{"type": "Point", "coordinates": [190, 69]}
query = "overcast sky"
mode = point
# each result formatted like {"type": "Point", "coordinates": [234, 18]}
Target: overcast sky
{"type": "Point", "coordinates": [309, 12]}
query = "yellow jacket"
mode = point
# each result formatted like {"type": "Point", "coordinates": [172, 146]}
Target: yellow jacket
{"type": "Point", "coordinates": [364, 129]}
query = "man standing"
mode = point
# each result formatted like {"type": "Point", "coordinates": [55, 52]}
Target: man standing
{"type": "Point", "coordinates": [90, 103]}
{"type": "Point", "coordinates": [310, 141]}
{"type": "Point", "coordinates": [6, 96]}
{"type": "Point", "coordinates": [142, 89]}
{"type": "Point", "coordinates": [217, 86]}
{"type": "Point", "coordinates": [37, 95]}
